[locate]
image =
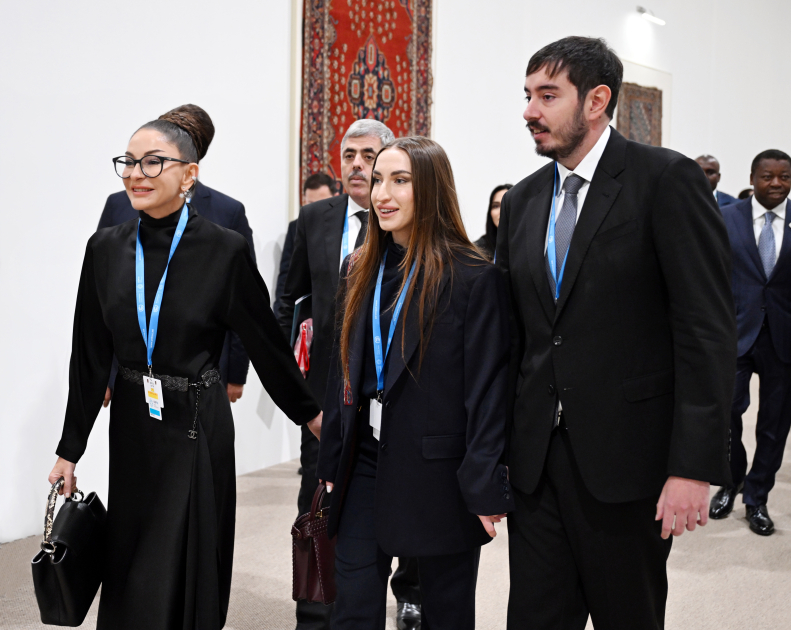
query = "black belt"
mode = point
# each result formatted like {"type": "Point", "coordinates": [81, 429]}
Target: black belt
{"type": "Point", "coordinates": [177, 384]}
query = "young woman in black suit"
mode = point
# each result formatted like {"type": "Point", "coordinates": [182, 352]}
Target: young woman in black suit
{"type": "Point", "coordinates": [412, 448]}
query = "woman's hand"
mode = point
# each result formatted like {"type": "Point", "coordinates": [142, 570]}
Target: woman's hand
{"type": "Point", "coordinates": [329, 485]}
{"type": "Point", "coordinates": [66, 470]}
{"type": "Point", "coordinates": [315, 425]}
{"type": "Point", "coordinates": [489, 521]}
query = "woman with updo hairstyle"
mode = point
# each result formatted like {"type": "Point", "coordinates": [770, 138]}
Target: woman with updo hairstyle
{"type": "Point", "coordinates": [415, 412]}
{"type": "Point", "coordinates": [160, 292]}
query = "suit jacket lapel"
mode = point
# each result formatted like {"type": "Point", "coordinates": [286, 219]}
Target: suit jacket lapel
{"type": "Point", "coordinates": [600, 198]}
{"type": "Point", "coordinates": [333, 235]}
{"type": "Point", "coordinates": [534, 234]}
{"type": "Point", "coordinates": [357, 356]}
{"type": "Point", "coordinates": [396, 361]}
{"type": "Point", "coordinates": [747, 234]}
{"type": "Point", "coordinates": [785, 248]}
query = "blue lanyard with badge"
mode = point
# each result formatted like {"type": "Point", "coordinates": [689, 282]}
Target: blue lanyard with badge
{"type": "Point", "coordinates": [153, 386]}
{"type": "Point", "coordinates": [551, 254]}
{"type": "Point", "coordinates": [345, 241]}
{"type": "Point", "coordinates": [379, 357]}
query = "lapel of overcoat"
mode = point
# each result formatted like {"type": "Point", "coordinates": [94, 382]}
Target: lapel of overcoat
{"type": "Point", "coordinates": [397, 361]}
{"type": "Point", "coordinates": [747, 235]}
{"type": "Point", "coordinates": [534, 235]}
{"type": "Point", "coordinates": [604, 189]}
{"type": "Point", "coordinates": [356, 359]}
{"type": "Point", "coordinates": [333, 236]}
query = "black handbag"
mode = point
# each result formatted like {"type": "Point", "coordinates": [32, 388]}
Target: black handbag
{"type": "Point", "coordinates": [67, 570]}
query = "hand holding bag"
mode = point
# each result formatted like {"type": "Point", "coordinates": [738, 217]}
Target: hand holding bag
{"type": "Point", "coordinates": [67, 570]}
{"type": "Point", "coordinates": [313, 554]}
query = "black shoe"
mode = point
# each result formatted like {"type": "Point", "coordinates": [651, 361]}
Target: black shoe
{"type": "Point", "coordinates": [759, 519]}
{"type": "Point", "coordinates": [722, 503]}
{"type": "Point", "coordinates": [408, 616]}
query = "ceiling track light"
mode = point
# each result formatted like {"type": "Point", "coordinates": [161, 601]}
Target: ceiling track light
{"type": "Point", "coordinates": [649, 15]}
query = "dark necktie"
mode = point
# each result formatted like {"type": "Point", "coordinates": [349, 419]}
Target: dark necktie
{"type": "Point", "coordinates": [363, 216]}
{"type": "Point", "coordinates": [766, 244]}
{"type": "Point", "coordinates": [565, 223]}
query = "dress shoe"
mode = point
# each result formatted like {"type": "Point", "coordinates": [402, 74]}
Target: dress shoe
{"type": "Point", "coordinates": [408, 616]}
{"type": "Point", "coordinates": [722, 502]}
{"type": "Point", "coordinates": [759, 519]}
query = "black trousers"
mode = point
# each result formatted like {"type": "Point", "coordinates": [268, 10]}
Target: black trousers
{"type": "Point", "coordinates": [774, 418]}
{"type": "Point", "coordinates": [572, 556]}
{"type": "Point", "coordinates": [447, 583]}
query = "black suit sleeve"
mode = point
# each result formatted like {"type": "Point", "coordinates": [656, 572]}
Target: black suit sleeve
{"type": "Point", "coordinates": [250, 315]}
{"type": "Point", "coordinates": [298, 282]}
{"type": "Point", "coordinates": [331, 443]}
{"type": "Point", "coordinates": [694, 254]}
{"type": "Point", "coordinates": [285, 260]}
{"type": "Point", "coordinates": [482, 478]}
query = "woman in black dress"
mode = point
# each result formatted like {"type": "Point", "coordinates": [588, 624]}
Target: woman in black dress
{"type": "Point", "coordinates": [488, 241]}
{"type": "Point", "coordinates": [172, 493]}
{"type": "Point", "coordinates": [412, 438]}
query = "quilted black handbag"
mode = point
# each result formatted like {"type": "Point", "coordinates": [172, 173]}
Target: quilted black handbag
{"type": "Point", "coordinates": [67, 570]}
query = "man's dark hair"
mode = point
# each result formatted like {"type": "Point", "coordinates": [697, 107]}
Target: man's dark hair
{"type": "Point", "coordinates": [589, 62]}
{"type": "Point", "coordinates": [317, 180]}
{"type": "Point", "coordinates": [769, 154]}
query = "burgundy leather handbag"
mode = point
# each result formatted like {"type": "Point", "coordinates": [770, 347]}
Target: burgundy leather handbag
{"type": "Point", "coordinates": [313, 553]}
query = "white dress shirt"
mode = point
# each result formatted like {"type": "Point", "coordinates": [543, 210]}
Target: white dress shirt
{"type": "Point", "coordinates": [585, 169]}
{"type": "Point", "coordinates": [355, 225]}
{"type": "Point", "coordinates": [778, 225]}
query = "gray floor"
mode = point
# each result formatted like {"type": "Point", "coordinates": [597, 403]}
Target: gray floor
{"type": "Point", "coordinates": [721, 577]}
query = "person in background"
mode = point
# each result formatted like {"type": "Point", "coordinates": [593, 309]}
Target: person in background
{"type": "Point", "coordinates": [746, 193]}
{"type": "Point", "coordinates": [169, 559]}
{"type": "Point", "coordinates": [617, 260]}
{"type": "Point", "coordinates": [711, 167]}
{"type": "Point", "coordinates": [416, 399]}
{"type": "Point", "coordinates": [217, 208]}
{"type": "Point", "coordinates": [760, 238]}
{"type": "Point", "coordinates": [488, 241]}
{"type": "Point", "coordinates": [317, 187]}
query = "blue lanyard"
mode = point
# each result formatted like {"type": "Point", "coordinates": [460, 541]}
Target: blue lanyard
{"type": "Point", "coordinates": [345, 242]}
{"type": "Point", "coordinates": [377, 330]}
{"type": "Point", "coordinates": [150, 338]}
{"type": "Point", "coordinates": [551, 242]}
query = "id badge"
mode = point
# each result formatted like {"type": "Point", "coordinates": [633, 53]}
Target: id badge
{"type": "Point", "coordinates": [376, 417]}
{"type": "Point", "coordinates": [153, 390]}
{"type": "Point", "coordinates": [154, 410]}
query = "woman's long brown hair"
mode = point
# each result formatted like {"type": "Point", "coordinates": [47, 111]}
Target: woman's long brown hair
{"type": "Point", "coordinates": [438, 236]}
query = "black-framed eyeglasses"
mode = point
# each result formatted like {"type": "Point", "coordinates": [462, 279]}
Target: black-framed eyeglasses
{"type": "Point", "coordinates": [151, 165]}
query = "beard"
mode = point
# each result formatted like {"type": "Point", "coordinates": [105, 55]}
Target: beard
{"type": "Point", "coordinates": [569, 136]}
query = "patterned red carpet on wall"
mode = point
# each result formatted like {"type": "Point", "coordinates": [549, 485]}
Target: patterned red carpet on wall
{"type": "Point", "coordinates": [362, 59]}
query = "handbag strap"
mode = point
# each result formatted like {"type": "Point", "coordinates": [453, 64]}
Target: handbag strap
{"type": "Point", "coordinates": [318, 498]}
{"type": "Point", "coordinates": [49, 517]}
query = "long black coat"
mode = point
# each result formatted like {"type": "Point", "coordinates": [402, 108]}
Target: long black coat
{"type": "Point", "coordinates": [443, 423]}
{"type": "Point", "coordinates": [172, 499]}
{"type": "Point", "coordinates": [641, 345]}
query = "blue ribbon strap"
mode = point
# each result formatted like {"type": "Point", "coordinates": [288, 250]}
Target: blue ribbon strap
{"type": "Point", "coordinates": [551, 254]}
{"type": "Point", "coordinates": [150, 331]}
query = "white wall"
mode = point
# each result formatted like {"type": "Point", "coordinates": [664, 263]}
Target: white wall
{"type": "Point", "coordinates": [77, 79]}
{"type": "Point", "coordinates": [728, 60]}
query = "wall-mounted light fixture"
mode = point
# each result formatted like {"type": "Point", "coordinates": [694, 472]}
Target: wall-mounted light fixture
{"type": "Point", "coordinates": [649, 15]}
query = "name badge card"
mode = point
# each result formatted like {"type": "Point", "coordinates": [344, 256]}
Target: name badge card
{"type": "Point", "coordinates": [153, 390]}
{"type": "Point", "coordinates": [154, 410]}
{"type": "Point", "coordinates": [376, 417]}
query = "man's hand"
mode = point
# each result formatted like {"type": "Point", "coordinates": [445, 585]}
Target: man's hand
{"type": "Point", "coordinates": [315, 425]}
{"type": "Point", "coordinates": [489, 521]}
{"type": "Point", "coordinates": [66, 470]}
{"type": "Point", "coordinates": [684, 500]}
{"type": "Point", "coordinates": [235, 392]}
{"type": "Point", "coordinates": [107, 396]}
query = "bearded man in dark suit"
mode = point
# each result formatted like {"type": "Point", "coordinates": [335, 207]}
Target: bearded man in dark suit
{"type": "Point", "coordinates": [618, 265]}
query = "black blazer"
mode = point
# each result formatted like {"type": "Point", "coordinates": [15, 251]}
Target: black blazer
{"type": "Point", "coordinates": [757, 297]}
{"type": "Point", "coordinates": [641, 346]}
{"type": "Point", "coordinates": [314, 269]}
{"type": "Point", "coordinates": [217, 208]}
{"type": "Point", "coordinates": [724, 199]}
{"type": "Point", "coordinates": [285, 263]}
{"type": "Point", "coordinates": [443, 424]}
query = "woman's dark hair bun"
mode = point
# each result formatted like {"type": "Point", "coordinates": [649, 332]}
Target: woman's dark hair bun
{"type": "Point", "coordinates": [196, 123]}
